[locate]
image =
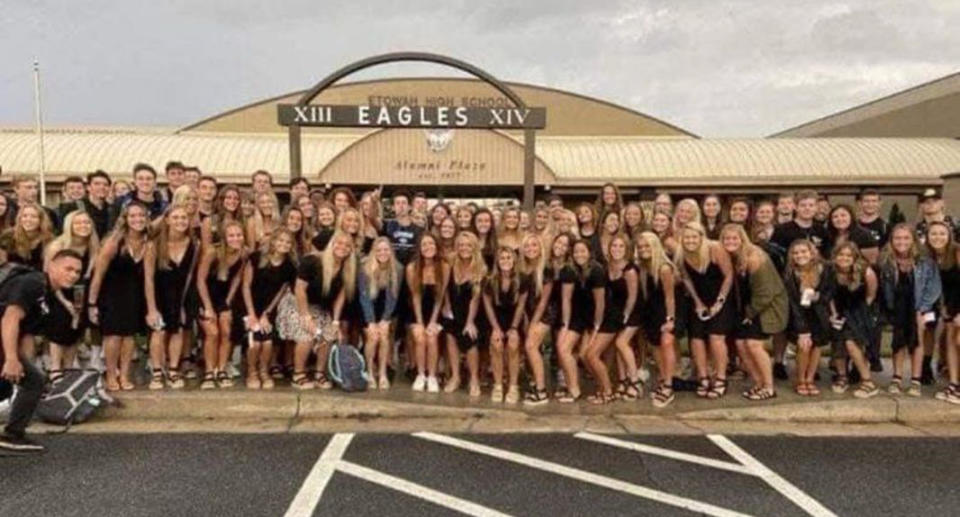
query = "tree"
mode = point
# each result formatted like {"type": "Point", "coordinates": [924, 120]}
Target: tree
{"type": "Point", "coordinates": [896, 216]}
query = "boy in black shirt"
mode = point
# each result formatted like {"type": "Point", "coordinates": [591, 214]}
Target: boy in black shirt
{"type": "Point", "coordinates": [803, 225]}
{"type": "Point", "coordinates": [25, 296]}
{"type": "Point", "coordinates": [94, 203]}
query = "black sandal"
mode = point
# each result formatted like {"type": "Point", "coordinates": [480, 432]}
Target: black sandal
{"type": "Point", "coordinates": [703, 388]}
{"type": "Point", "coordinates": [209, 381]}
{"type": "Point", "coordinates": [718, 390]}
{"type": "Point", "coordinates": [601, 399]}
{"type": "Point", "coordinates": [636, 387]}
{"type": "Point", "coordinates": [569, 398]}
{"type": "Point", "coordinates": [156, 379]}
{"type": "Point", "coordinates": [174, 378]}
{"type": "Point", "coordinates": [536, 398]}
{"type": "Point", "coordinates": [301, 381]}
{"type": "Point", "coordinates": [54, 376]}
{"type": "Point", "coordinates": [762, 394]}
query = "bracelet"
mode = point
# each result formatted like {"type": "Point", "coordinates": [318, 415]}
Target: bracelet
{"type": "Point", "coordinates": [670, 319]}
{"type": "Point", "coordinates": [721, 299]}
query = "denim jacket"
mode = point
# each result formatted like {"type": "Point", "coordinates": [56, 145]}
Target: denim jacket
{"type": "Point", "coordinates": [926, 285]}
{"type": "Point", "coordinates": [366, 303]}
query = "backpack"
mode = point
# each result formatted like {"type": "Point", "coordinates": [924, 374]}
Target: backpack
{"type": "Point", "coordinates": [72, 399]}
{"type": "Point", "coordinates": [347, 368]}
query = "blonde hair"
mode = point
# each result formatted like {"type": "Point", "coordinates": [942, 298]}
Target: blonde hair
{"type": "Point", "coordinates": [223, 250]}
{"type": "Point", "coordinates": [890, 255]}
{"type": "Point", "coordinates": [694, 207]}
{"type": "Point", "coordinates": [748, 250]}
{"type": "Point", "coordinates": [810, 275]}
{"type": "Point", "coordinates": [259, 223]}
{"type": "Point", "coordinates": [476, 267]}
{"type": "Point", "coordinates": [534, 269]}
{"type": "Point", "coordinates": [857, 269]}
{"type": "Point", "coordinates": [658, 259]}
{"type": "Point", "coordinates": [271, 246]}
{"type": "Point", "coordinates": [359, 237]}
{"type": "Point", "coordinates": [493, 280]}
{"type": "Point", "coordinates": [701, 257]}
{"type": "Point", "coordinates": [376, 276]}
{"type": "Point", "coordinates": [24, 244]}
{"type": "Point", "coordinates": [163, 237]}
{"type": "Point", "coordinates": [65, 240]}
{"type": "Point", "coordinates": [348, 267]}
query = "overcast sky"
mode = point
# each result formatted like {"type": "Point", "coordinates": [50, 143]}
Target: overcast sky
{"type": "Point", "coordinates": [716, 68]}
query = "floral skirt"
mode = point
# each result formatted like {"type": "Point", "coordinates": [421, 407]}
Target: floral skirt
{"type": "Point", "coordinates": [290, 328]}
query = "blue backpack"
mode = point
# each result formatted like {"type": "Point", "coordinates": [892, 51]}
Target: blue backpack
{"type": "Point", "coordinates": [346, 368]}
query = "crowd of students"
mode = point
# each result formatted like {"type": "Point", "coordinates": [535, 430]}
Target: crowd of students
{"type": "Point", "coordinates": [465, 296]}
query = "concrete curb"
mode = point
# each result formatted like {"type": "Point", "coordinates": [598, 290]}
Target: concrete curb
{"type": "Point", "coordinates": [298, 408]}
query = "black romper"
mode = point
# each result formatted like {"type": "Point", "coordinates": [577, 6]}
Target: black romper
{"type": "Point", "coordinates": [707, 285]}
{"type": "Point", "coordinates": [460, 296]}
{"type": "Point", "coordinates": [507, 306]}
{"type": "Point", "coordinates": [581, 303]}
{"type": "Point", "coordinates": [950, 279]}
{"type": "Point", "coordinates": [549, 316]}
{"type": "Point", "coordinates": [220, 289]}
{"type": "Point", "coordinates": [172, 287]}
{"type": "Point", "coordinates": [904, 316]}
{"type": "Point", "coordinates": [859, 324]}
{"type": "Point", "coordinates": [122, 304]}
{"type": "Point", "coordinates": [650, 312]}
{"type": "Point", "coordinates": [58, 325]}
{"type": "Point", "coordinates": [616, 302]}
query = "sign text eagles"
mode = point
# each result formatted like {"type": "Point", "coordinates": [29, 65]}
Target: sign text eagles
{"type": "Point", "coordinates": [411, 116]}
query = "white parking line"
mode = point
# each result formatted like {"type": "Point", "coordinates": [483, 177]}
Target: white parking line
{"type": "Point", "coordinates": [582, 475]}
{"type": "Point", "coordinates": [799, 497]}
{"type": "Point", "coordinates": [420, 491]}
{"type": "Point", "coordinates": [667, 453]}
{"type": "Point", "coordinates": [309, 495]}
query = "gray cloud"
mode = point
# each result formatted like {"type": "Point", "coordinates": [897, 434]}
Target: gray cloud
{"type": "Point", "coordinates": [719, 68]}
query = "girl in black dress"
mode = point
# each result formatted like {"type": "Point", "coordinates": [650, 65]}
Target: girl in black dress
{"type": "Point", "coordinates": [587, 221]}
{"type": "Point", "coordinates": [169, 266]}
{"type": "Point", "coordinates": [67, 320]}
{"type": "Point", "coordinates": [267, 276]}
{"type": "Point", "coordinates": [294, 221]}
{"type": "Point", "coordinates": [946, 253]}
{"type": "Point", "coordinates": [620, 299]}
{"type": "Point", "coordinates": [609, 199]}
{"type": "Point", "coordinates": [326, 222]}
{"type": "Point", "coordinates": [372, 212]}
{"type": "Point", "coordinates": [462, 311]}
{"type": "Point", "coordinates": [911, 287]}
{"type": "Point", "coordinates": [265, 219]}
{"type": "Point", "coordinates": [226, 209]}
{"type": "Point", "coordinates": [633, 222]}
{"type": "Point", "coordinates": [309, 211]}
{"type": "Point", "coordinates": [483, 228]}
{"type": "Point", "coordinates": [662, 226]}
{"type": "Point", "coordinates": [24, 243]}
{"type": "Point", "coordinates": [218, 284]}
{"type": "Point", "coordinates": [325, 283]}
{"type": "Point", "coordinates": [712, 216]}
{"type": "Point", "coordinates": [657, 311]}
{"type": "Point", "coordinates": [609, 228]}
{"type": "Point", "coordinates": [438, 213]}
{"type": "Point", "coordinates": [378, 287]}
{"type": "Point", "coordinates": [850, 317]}
{"type": "Point", "coordinates": [842, 226]}
{"type": "Point", "coordinates": [464, 217]}
{"type": "Point", "coordinates": [707, 274]}
{"type": "Point", "coordinates": [116, 299]}
{"type": "Point", "coordinates": [582, 299]}
{"type": "Point", "coordinates": [541, 315]}
{"type": "Point", "coordinates": [446, 234]}
{"type": "Point", "coordinates": [509, 233]}
{"type": "Point", "coordinates": [426, 275]}
{"type": "Point", "coordinates": [810, 283]}
{"type": "Point", "coordinates": [504, 298]}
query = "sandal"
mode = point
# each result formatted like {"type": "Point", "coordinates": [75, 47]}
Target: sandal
{"type": "Point", "coordinates": [174, 378]}
{"type": "Point", "coordinates": [301, 381]}
{"type": "Point", "coordinates": [814, 390]}
{"type": "Point", "coordinates": [866, 390]}
{"type": "Point", "coordinates": [322, 381]}
{"type": "Point", "coordinates": [895, 387]}
{"type": "Point", "coordinates": [601, 399]}
{"type": "Point", "coordinates": [621, 391]}
{"type": "Point", "coordinates": [569, 398]}
{"type": "Point", "coordinates": [209, 381]}
{"type": "Point", "coordinates": [703, 388]}
{"type": "Point", "coordinates": [637, 390]}
{"type": "Point", "coordinates": [156, 379]}
{"type": "Point", "coordinates": [663, 396]}
{"type": "Point", "coordinates": [224, 380]}
{"type": "Point", "coordinates": [762, 394]}
{"type": "Point", "coordinates": [536, 398]}
{"type": "Point", "coordinates": [750, 392]}
{"type": "Point", "coordinates": [56, 375]}
{"type": "Point", "coordinates": [840, 385]}
{"type": "Point", "coordinates": [718, 390]}
{"type": "Point", "coordinates": [253, 382]}
{"type": "Point", "coordinates": [802, 389]}
{"type": "Point", "coordinates": [276, 372]}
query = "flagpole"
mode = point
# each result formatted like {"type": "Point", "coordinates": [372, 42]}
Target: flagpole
{"type": "Point", "coordinates": [39, 120]}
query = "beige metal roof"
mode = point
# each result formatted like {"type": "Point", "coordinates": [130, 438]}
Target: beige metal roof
{"type": "Point", "coordinates": [236, 155]}
{"type": "Point", "coordinates": [740, 161]}
{"type": "Point", "coordinates": [573, 160]}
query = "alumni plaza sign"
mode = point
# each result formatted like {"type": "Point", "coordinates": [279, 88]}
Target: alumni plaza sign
{"type": "Point", "coordinates": [412, 116]}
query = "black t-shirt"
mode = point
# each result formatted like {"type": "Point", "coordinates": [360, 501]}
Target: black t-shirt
{"type": "Point", "coordinates": [862, 238]}
{"type": "Point", "coordinates": [877, 229]}
{"type": "Point", "coordinates": [100, 216]}
{"type": "Point", "coordinates": [785, 234]}
{"type": "Point", "coordinates": [404, 239]}
{"type": "Point", "coordinates": [27, 290]}
{"type": "Point", "coordinates": [322, 238]}
{"type": "Point", "coordinates": [269, 279]}
{"type": "Point", "coordinates": [583, 288]}
{"type": "Point", "coordinates": [310, 272]}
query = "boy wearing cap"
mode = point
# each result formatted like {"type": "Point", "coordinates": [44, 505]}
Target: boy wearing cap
{"type": "Point", "coordinates": [931, 211]}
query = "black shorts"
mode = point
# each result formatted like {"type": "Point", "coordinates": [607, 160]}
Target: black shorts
{"type": "Point", "coordinates": [721, 324]}
{"type": "Point", "coordinates": [752, 331]}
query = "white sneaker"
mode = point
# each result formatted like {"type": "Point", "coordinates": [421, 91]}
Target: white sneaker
{"type": "Point", "coordinates": [432, 385]}
{"type": "Point", "coordinates": [419, 383]}
{"type": "Point", "coordinates": [233, 371]}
